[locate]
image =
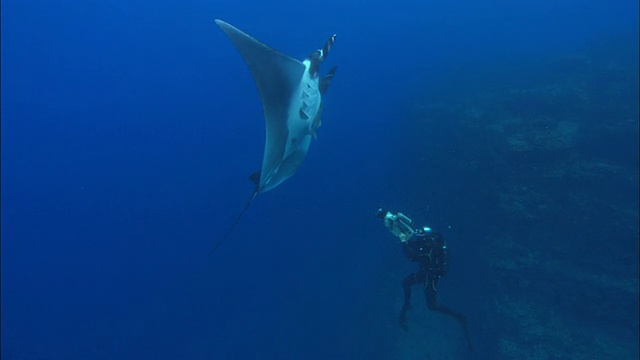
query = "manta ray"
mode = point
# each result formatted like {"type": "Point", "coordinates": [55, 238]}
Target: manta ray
{"type": "Point", "coordinates": [291, 92]}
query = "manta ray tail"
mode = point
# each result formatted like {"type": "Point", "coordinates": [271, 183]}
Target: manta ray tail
{"type": "Point", "coordinates": [224, 237]}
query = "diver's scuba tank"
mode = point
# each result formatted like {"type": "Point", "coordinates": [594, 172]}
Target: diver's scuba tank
{"type": "Point", "coordinates": [442, 264]}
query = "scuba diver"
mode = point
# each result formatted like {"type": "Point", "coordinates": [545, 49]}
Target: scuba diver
{"type": "Point", "coordinates": [429, 249]}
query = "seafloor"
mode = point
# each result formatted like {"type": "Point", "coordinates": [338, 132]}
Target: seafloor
{"type": "Point", "coordinates": [538, 165]}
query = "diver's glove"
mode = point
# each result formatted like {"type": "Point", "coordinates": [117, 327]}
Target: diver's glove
{"type": "Point", "coordinates": [398, 224]}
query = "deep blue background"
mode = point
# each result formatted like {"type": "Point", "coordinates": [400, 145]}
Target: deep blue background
{"type": "Point", "coordinates": [129, 129]}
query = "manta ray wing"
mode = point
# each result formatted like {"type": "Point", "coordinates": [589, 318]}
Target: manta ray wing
{"type": "Point", "coordinates": [277, 77]}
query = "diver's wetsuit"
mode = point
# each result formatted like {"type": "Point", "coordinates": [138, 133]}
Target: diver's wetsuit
{"type": "Point", "coordinates": [430, 251]}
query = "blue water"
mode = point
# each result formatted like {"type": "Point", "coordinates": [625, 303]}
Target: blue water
{"type": "Point", "coordinates": [129, 130]}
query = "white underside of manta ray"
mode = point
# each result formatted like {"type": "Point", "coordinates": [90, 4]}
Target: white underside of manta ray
{"type": "Point", "coordinates": [291, 92]}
